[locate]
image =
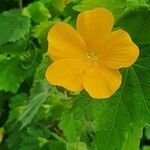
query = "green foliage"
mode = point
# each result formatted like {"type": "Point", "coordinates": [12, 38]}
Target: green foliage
{"type": "Point", "coordinates": [146, 148]}
{"type": "Point", "coordinates": [40, 31]}
{"type": "Point", "coordinates": [10, 80]}
{"type": "Point", "coordinates": [13, 26]}
{"type": "Point", "coordinates": [37, 9]}
{"type": "Point", "coordinates": [56, 6]}
{"type": "Point", "coordinates": [78, 146]}
{"type": "Point", "coordinates": [31, 138]}
{"type": "Point", "coordinates": [70, 127]}
{"type": "Point", "coordinates": [129, 23]}
{"type": "Point", "coordinates": [12, 65]}
{"type": "Point", "coordinates": [17, 105]}
{"type": "Point", "coordinates": [132, 141]}
{"type": "Point", "coordinates": [39, 94]}
{"type": "Point", "coordinates": [115, 6]}
{"type": "Point", "coordinates": [112, 119]}
{"type": "Point", "coordinates": [13, 48]}
{"type": "Point", "coordinates": [37, 116]}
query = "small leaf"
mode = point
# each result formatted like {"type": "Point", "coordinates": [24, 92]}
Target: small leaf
{"type": "Point", "coordinates": [56, 5]}
{"type": "Point", "coordinates": [41, 30]}
{"type": "Point", "coordinates": [37, 9]}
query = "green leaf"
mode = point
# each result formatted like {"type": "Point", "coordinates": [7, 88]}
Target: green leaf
{"type": "Point", "coordinates": [138, 86]}
{"type": "Point", "coordinates": [41, 30]}
{"type": "Point", "coordinates": [132, 4]}
{"type": "Point", "coordinates": [40, 71]}
{"type": "Point", "coordinates": [37, 12]}
{"type": "Point", "coordinates": [147, 132]}
{"type": "Point", "coordinates": [13, 49]}
{"type": "Point", "coordinates": [70, 127]}
{"type": "Point", "coordinates": [55, 145]}
{"type": "Point", "coordinates": [34, 138]}
{"type": "Point", "coordinates": [14, 139]}
{"type": "Point", "coordinates": [59, 4]}
{"type": "Point", "coordinates": [112, 120]}
{"type": "Point", "coordinates": [12, 74]}
{"type": "Point", "coordinates": [16, 64]}
{"type": "Point", "coordinates": [39, 94]}
{"type": "Point", "coordinates": [44, 112]}
{"type": "Point", "coordinates": [56, 6]}
{"type": "Point", "coordinates": [133, 138]}
{"type": "Point", "coordinates": [146, 148]}
{"type": "Point", "coordinates": [85, 107]}
{"type": "Point", "coordinates": [13, 26]}
{"type": "Point", "coordinates": [77, 146]}
{"type": "Point", "coordinates": [113, 123]}
{"type": "Point", "coordinates": [117, 7]}
{"type": "Point", "coordinates": [17, 105]}
{"type": "Point", "coordinates": [18, 100]}
{"type": "Point", "coordinates": [136, 20]}
{"type": "Point", "coordinates": [30, 138]}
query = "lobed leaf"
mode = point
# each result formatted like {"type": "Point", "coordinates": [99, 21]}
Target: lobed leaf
{"type": "Point", "coordinates": [37, 9]}
{"type": "Point", "coordinates": [10, 80]}
{"type": "Point", "coordinates": [13, 26]}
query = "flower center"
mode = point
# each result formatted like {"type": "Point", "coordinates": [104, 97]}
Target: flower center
{"type": "Point", "coordinates": [92, 58]}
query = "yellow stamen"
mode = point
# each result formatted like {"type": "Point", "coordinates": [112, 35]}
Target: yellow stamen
{"type": "Point", "coordinates": [92, 58]}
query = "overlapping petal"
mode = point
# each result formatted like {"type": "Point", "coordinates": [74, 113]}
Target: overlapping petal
{"type": "Point", "coordinates": [67, 73]}
{"type": "Point", "coordinates": [119, 50]}
{"type": "Point", "coordinates": [64, 42]}
{"type": "Point", "coordinates": [94, 26]}
{"type": "Point", "coordinates": [101, 82]}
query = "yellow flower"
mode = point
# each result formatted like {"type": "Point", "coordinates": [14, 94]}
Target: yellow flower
{"type": "Point", "coordinates": [89, 57]}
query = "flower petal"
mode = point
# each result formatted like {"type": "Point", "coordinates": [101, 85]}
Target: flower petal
{"type": "Point", "coordinates": [67, 73]}
{"type": "Point", "coordinates": [94, 26]}
{"type": "Point", "coordinates": [101, 82]}
{"type": "Point", "coordinates": [64, 42]}
{"type": "Point", "coordinates": [119, 50]}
